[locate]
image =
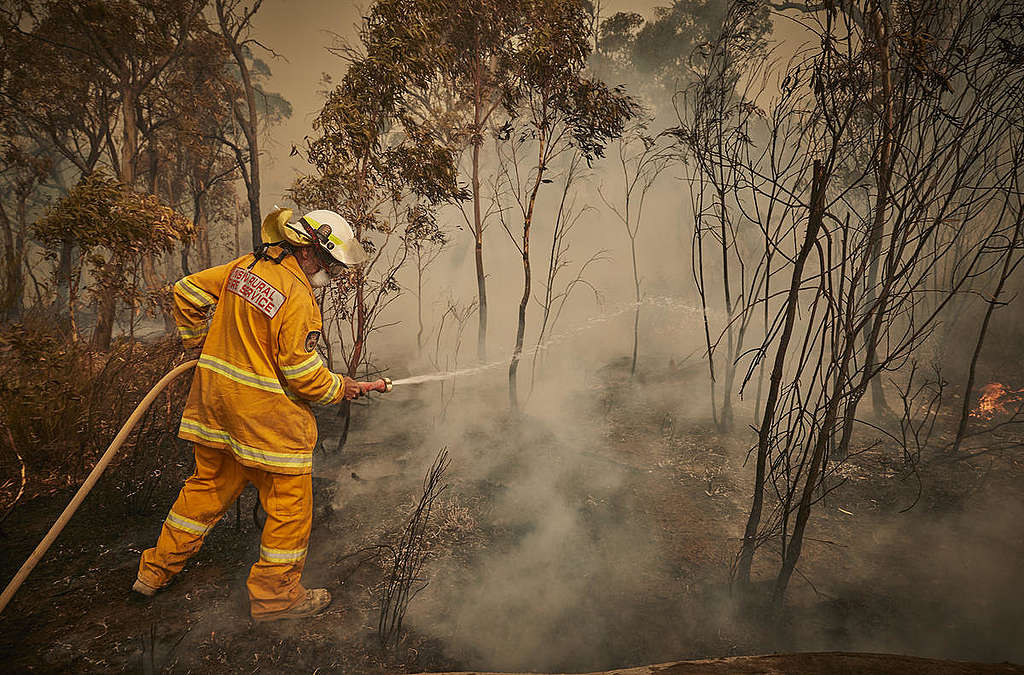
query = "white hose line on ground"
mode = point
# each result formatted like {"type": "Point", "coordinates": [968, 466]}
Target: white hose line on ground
{"type": "Point", "coordinates": [89, 483]}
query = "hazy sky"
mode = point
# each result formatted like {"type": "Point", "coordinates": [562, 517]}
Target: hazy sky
{"type": "Point", "coordinates": [301, 31]}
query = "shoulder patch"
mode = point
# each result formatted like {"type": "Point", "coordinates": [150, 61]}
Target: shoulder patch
{"type": "Point", "coordinates": [254, 290]}
{"type": "Point", "coordinates": [311, 339]}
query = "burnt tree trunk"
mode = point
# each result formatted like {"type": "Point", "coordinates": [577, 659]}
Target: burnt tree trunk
{"type": "Point", "coordinates": [105, 308]}
{"type": "Point", "coordinates": [725, 421]}
{"type": "Point", "coordinates": [817, 209]}
{"type": "Point", "coordinates": [636, 313]}
{"type": "Point", "coordinates": [11, 304]}
{"type": "Point", "coordinates": [478, 231]}
{"type": "Point", "coordinates": [524, 301]}
{"type": "Point", "coordinates": [107, 303]}
{"type": "Point", "coordinates": [884, 179]}
{"type": "Point", "coordinates": [1008, 267]}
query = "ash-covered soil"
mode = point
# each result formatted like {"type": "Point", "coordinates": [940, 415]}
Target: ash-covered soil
{"type": "Point", "coordinates": [594, 531]}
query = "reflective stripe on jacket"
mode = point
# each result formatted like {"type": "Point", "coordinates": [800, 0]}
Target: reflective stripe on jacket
{"type": "Point", "coordinates": [259, 368]}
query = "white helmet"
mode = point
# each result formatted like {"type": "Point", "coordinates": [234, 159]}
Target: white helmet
{"type": "Point", "coordinates": [332, 234]}
{"type": "Point", "coordinates": [328, 231]}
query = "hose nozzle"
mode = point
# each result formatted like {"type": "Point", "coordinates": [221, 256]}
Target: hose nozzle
{"type": "Point", "coordinates": [383, 385]}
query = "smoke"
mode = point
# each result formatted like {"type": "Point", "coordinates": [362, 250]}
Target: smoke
{"type": "Point", "coordinates": [563, 543]}
{"type": "Point", "coordinates": [941, 581]}
{"type": "Point", "coordinates": [948, 577]}
{"type": "Point", "coordinates": [604, 519]}
{"type": "Point", "coordinates": [564, 561]}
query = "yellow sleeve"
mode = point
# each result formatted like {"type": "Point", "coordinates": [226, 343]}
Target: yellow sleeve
{"type": "Point", "coordinates": [194, 296]}
{"type": "Point", "coordinates": [307, 376]}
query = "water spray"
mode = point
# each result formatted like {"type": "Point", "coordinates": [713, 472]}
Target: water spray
{"type": "Point", "coordinates": [661, 302]}
{"type": "Point", "coordinates": [449, 374]}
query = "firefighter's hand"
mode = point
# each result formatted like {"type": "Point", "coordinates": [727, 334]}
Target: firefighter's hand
{"type": "Point", "coordinates": [191, 353]}
{"type": "Point", "coordinates": [352, 390]}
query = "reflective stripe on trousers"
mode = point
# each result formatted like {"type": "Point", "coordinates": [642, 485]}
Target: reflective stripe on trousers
{"type": "Point", "coordinates": [274, 581]}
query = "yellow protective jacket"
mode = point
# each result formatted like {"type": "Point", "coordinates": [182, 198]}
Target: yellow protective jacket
{"type": "Point", "coordinates": [259, 368]}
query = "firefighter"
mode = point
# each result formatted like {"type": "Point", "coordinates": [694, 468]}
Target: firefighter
{"type": "Point", "coordinates": [248, 413]}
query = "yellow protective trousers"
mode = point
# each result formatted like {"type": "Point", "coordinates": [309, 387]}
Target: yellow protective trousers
{"type": "Point", "coordinates": [218, 480]}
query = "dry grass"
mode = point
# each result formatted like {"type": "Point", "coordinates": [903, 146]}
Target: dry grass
{"type": "Point", "coordinates": [62, 403]}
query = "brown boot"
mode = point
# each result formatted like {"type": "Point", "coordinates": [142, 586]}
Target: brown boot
{"type": "Point", "coordinates": [314, 602]}
{"type": "Point", "coordinates": [142, 588]}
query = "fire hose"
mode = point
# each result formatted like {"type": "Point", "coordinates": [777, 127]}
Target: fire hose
{"type": "Point", "coordinates": [381, 385]}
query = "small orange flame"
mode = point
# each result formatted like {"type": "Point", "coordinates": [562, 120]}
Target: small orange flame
{"type": "Point", "coordinates": [995, 400]}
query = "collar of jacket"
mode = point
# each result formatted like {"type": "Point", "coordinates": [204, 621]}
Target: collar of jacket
{"type": "Point", "coordinates": [291, 263]}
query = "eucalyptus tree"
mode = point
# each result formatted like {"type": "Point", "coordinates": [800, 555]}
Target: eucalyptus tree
{"type": "Point", "coordinates": [201, 160]}
{"type": "Point", "coordinates": [480, 36]}
{"type": "Point", "coordinates": [465, 50]}
{"type": "Point", "coordinates": [642, 158]}
{"type": "Point", "coordinates": [204, 149]}
{"type": "Point", "coordinates": [570, 214]}
{"type": "Point", "coordinates": [22, 171]}
{"type": "Point", "coordinates": [250, 104]}
{"type": "Point", "coordinates": [379, 167]}
{"type": "Point", "coordinates": [716, 115]}
{"type": "Point", "coordinates": [115, 228]}
{"type": "Point", "coordinates": [146, 90]}
{"type": "Point", "coordinates": [876, 22]}
{"type": "Point", "coordinates": [110, 60]}
{"type": "Point", "coordinates": [657, 55]}
{"type": "Point", "coordinates": [73, 130]}
{"type": "Point", "coordinates": [125, 48]}
{"type": "Point", "coordinates": [554, 106]}
{"type": "Point", "coordinates": [22, 168]}
{"type": "Point", "coordinates": [470, 55]}
{"type": "Point", "coordinates": [686, 60]}
{"type": "Point", "coordinates": [77, 122]}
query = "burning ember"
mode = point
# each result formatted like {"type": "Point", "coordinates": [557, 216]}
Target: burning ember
{"type": "Point", "coordinates": [996, 399]}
